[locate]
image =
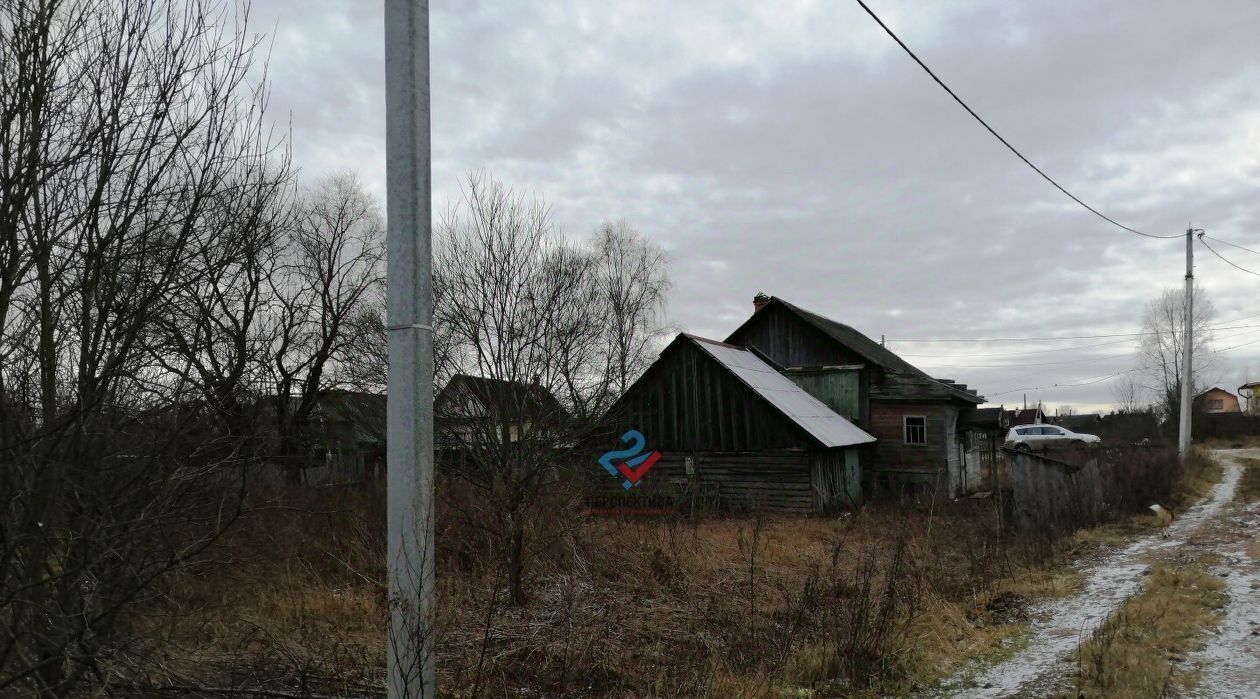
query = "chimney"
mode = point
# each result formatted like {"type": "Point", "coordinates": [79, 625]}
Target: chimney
{"type": "Point", "coordinates": [760, 300]}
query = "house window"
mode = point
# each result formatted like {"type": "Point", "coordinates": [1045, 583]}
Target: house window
{"type": "Point", "coordinates": [915, 429]}
{"type": "Point", "coordinates": [1215, 404]}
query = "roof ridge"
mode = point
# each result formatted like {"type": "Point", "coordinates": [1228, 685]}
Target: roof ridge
{"type": "Point", "coordinates": [873, 352]}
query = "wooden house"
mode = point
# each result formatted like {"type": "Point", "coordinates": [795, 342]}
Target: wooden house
{"type": "Point", "coordinates": [921, 441]}
{"type": "Point", "coordinates": [1026, 416]}
{"type": "Point", "coordinates": [1217, 400]}
{"type": "Point", "coordinates": [478, 410]}
{"type": "Point", "coordinates": [347, 438]}
{"type": "Point", "coordinates": [729, 424]}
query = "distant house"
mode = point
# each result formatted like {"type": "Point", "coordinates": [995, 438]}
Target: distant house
{"type": "Point", "coordinates": [1026, 416]}
{"type": "Point", "coordinates": [922, 438]}
{"type": "Point", "coordinates": [477, 410]}
{"type": "Point", "coordinates": [1217, 400]}
{"type": "Point", "coordinates": [730, 424]}
{"type": "Point", "coordinates": [347, 437]}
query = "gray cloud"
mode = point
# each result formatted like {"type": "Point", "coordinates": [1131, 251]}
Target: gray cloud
{"type": "Point", "coordinates": [794, 149]}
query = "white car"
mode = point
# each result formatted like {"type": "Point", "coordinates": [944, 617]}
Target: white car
{"type": "Point", "coordinates": [1042, 437]}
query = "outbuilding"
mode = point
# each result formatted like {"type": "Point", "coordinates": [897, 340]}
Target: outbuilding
{"type": "Point", "coordinates": [730, 425]}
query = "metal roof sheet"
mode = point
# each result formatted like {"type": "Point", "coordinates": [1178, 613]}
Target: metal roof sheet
{"type": "Point", "coordinates": [821, 422]}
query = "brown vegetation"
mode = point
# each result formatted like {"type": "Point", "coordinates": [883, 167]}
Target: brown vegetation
{"type": "Point", "coordinates": [878, 602]}
{"type": "Point", "coordinates": [1249, 484]}
{"type": "Point", "coordinates": [891, 599]}
{"type": "Point", "coordinates": [1139, 651]}
{"type": "Point", "coordinates": [1194, 480]}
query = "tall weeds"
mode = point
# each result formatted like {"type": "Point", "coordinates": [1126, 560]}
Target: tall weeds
{"type": "Point", "coordinates": [656, 607]}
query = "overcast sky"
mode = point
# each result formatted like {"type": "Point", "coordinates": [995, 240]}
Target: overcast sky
{"type": "Point", "coordinates": [792, 148]}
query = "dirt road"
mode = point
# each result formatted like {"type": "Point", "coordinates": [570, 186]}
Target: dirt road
{"type": "Point", "coordinates": [1231, 660]}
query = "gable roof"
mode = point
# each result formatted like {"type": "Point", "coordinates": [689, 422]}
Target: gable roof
{"type": "Point", "coordinates": [983, 417]}
{"type": "Point", "coordinates": [1214, 388]}
{"type": "Point", "coordinates": [530, 398]}
{"type": "Point", "coordinates": [861, 345]}
{"type": "Point", "coordinates": [1025, 416]}
{"type": "Point", "coordinates": [364, 412]}
{"type": "Point", "coordinates": [827, 427]}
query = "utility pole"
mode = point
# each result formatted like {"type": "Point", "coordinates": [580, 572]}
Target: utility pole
{"type": "Point", "coordinates": [409, 304]}
{"type": "Point", "coordinates": [1187, 392]}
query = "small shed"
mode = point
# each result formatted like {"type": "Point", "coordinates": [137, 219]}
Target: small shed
{"type": "Point", "coordinates": [727, 421]}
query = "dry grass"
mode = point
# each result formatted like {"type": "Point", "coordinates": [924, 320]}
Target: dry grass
{"type": "Point", "coordinates": [750, 607]}
{"type": "Point", "coordinates": [1140, 649]}
{"type": "Point", "coordinates": [1239, 442]}
{"type": "Point", "coordinates": [1249, 484]}
{"type": "Point", "coordinates": [660, 607]}
{"type": "Point", "coordinates": [1196, 479]}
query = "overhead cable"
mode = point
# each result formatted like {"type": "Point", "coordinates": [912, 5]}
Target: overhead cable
{"type": "Point", "coordinates": [998, 136]}
{"type": "Point", "coordinates": [1225, 259]}
{"type": "Point", "coordinates": [1047, 339]}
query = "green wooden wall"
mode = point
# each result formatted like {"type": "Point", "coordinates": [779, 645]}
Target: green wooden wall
{"type": "Point", "coordinates": [838, 389]}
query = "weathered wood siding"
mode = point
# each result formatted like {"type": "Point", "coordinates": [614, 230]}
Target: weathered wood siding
{"type": "Point", "coordinates": [790, 342]}
{"type": "Point", "coordinates": [891, 385]}
{"type": "Point", "coordinates": [836, 479]}
{"type": "Point", "coordinates": [774, 481]}
{"type": "Point", "coordinates": [891, 453]}
{"type": "Point", "coordinates": [686, 402]}
{"type": "Point", "coordinates": [838, 389]}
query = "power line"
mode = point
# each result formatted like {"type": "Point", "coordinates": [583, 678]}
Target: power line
{"type": "Point", "coordinates": [1232, 245]}
{"type": "Point", "coordinates": [1128, 355]}
{"type": "Point", "coordinates": [1014, 354]}
{"type": "Point", "coordinates": [1055, 350]}
{"type": "Point", "coordinates": [998, 136]}
{"type": "Point", "coordinates": [1047, 339]}
{"type": "Point", "coordinates": [1226, 260]}
{"type": "Point", "coordinates": [1245, 344]}
{"type": "Point", "coordinates": [1087, 382]}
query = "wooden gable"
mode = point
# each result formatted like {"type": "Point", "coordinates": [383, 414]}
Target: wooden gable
{"type": "Point", "coordinates": [795, 338]}
{"type": "Point", "coordinates": [687, 402]}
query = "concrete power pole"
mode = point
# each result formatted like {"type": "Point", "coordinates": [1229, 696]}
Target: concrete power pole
{"type": "Point", "coordinates": [1187, 392]}
{"type": "Point", "coordinates": [409, 302]}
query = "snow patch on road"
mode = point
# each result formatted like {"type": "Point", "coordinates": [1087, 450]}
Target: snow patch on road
{"type": "Point", "coordinates": [1230, 659]}
{"type": "Point", "coordinates": [1061, 624]}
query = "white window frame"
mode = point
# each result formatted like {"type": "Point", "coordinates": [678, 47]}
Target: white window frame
{"type": "Point", "coordinates": [905, 429]}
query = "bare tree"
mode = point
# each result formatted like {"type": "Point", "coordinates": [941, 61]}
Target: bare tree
{"type": "Point", "coordinates": [323, 292]}
{"type": "Point", "coordinates": [128, 130]}
{"type": "Point", "coordinates": [534, 336]}
{"type": "Point", "coordinates": [632, 278]}
{"type": "Point", "coordinates": [209, 330]}
{"type": "Point", "coordinates": [518, 310]}
{"type": "Point", "coordinates": [1127, 391]}
{"type": "Point", "coordinates": [1162, 352]}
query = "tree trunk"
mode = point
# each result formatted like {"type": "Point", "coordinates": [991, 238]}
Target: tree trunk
{"type": "Point", "coordinates": [516, 563]}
